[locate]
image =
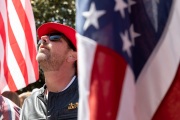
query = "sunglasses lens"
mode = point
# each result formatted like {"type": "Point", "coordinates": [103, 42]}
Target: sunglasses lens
{"type": "Point", "coordinates": [54, 37]}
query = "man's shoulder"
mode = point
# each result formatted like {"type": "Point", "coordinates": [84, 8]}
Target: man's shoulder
{"type": "Point", "coordinates": [35, 94]}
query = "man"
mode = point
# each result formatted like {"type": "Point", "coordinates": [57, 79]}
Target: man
{"type": "Point", "coordinates": [8, 109]}
{"type": "Point", "coordinates": [57, 56]}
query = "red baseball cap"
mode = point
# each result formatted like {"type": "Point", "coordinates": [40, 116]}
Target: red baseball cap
{"type": "Point", "coordinates": [50, 27]}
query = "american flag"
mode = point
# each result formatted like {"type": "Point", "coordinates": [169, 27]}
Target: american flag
{"type": "Point", "coordinates": [128, 59]}
{"type": "Point", "coordinates": [18, 66]}
{"type": "Point", "coordinates": [8, 109]}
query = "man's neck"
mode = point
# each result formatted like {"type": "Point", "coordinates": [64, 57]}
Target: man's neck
{"type": "Point", "coordinates": [72, 80]}
{"type": "Point", "coordinates": [57, 81]}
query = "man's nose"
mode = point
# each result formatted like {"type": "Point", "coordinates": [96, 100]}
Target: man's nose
{"type": "Point", "coordinates": [43, 40]}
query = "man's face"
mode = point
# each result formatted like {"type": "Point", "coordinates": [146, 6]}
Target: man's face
{"type": "Point", "coordinates": [52, 54]}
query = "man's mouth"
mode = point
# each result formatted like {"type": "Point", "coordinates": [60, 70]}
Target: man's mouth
{"type": "Point", "coordinates": [43, 47]}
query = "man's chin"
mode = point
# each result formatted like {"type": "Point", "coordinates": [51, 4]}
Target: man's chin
{"type": "Point", "coordinates": [41, 57]}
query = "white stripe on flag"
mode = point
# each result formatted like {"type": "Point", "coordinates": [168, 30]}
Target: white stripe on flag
{"type": "Point", "coordinates": [153, 85]}
{"type": "Point", "coordinates": [127, 102]}
{"type": "Point", "coordinates": [86, 52]}
{"type": "Point", "coordinates": [14, 68]}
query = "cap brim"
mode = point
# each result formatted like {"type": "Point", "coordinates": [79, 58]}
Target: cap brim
{"type": "Point", "coordinates": [57, 27]}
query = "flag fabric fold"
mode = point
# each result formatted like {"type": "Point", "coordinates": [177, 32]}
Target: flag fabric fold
{"type": "Point", "coordinates": [128, 59]}
{"type": "Point", "coordinates": [17, 44]}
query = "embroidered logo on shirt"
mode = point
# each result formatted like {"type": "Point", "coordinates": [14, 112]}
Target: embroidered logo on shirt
{"type": "Point", "coordinates": [72, 106]}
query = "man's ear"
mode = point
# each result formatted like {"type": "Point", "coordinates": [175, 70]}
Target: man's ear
{"type": "Point", "coordinates": [72, 56]}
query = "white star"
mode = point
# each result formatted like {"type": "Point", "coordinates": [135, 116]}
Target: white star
{"type": "Point", "coordinates": [133, 34]}
{"type": "Point", "coordinates": [130, 2]}
{"type": "Point", "coordinates": [92, 16]}
{"type": "Point", "coordinates": [126, 43]}
{"type": "Point", "coordinates": [120, 5]}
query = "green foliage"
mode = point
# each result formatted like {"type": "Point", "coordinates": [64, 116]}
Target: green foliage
{"type": "Point", "coordinates": [62, 11]}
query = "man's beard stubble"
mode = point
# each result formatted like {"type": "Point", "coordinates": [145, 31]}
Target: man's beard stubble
{"type": "Point", "coordinates": [50, 62]}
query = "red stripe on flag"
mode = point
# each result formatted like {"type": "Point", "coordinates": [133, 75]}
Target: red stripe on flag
{"type": "Point", "coordinates": [9, 79]}
{"type": "Point", "coordinates": [7, 74]}
{"type": "Point", "coordinates": [170, 106]}
{"type": "Point", "coordinates": [17, 53]}
{"type": "Point", "coordinates": [28, 33]}
{"type": "Point", "coordinates": [106, 84]}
